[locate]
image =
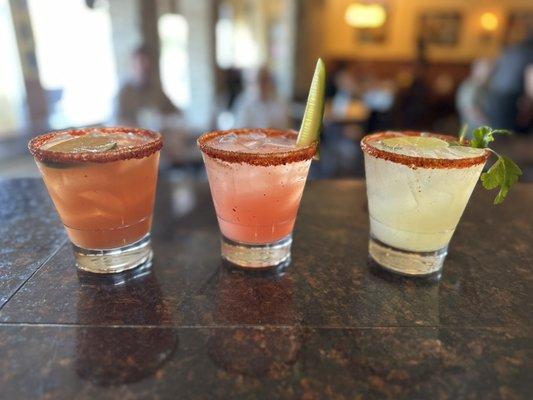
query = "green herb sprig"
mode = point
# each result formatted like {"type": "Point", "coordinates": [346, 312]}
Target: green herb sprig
{"type": "Point", "coordinates": [504, 173]}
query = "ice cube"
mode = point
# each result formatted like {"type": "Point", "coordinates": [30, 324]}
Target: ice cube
{"type": "Point", "coordinates": [256, 135]}
{"type": "Point", "coordinates": [253, 140]}
{"type": "Point", "coordinates": [103, 201]}
{"type": "Point", "coordinates": [229, 138]}
{"type": "Point", "coordinates": [252, 144]}
{"type": "Point", "coordinates": [280, 141]}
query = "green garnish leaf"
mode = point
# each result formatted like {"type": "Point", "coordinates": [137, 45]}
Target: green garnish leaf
{"type": "Point", "coordinates": [483, 135]}
{"type": "Point", "coordinates": [504, 173]}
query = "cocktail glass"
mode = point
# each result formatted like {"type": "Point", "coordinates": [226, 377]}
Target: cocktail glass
{"type": "Point", "coordinates": [416, 197]}
{"type": "Point", "coordinates": [105, 199]}
{"type": "Point", "coordinates": [257, 177]}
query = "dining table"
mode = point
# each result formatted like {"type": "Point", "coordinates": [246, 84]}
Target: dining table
{"type": "Point", "coordinates": [332, 325]}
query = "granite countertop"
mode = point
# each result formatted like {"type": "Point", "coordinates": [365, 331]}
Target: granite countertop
{"type": "Point", "coordinates": [331, 327]}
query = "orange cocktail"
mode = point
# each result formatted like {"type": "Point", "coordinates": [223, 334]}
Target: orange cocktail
{"type": "Point", "coordinates": [102, 182]}
{"type": "Point", "coordinates": [257, 177]}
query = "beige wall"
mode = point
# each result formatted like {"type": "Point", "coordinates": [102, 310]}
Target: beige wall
{"type": "Point", "coordinates": [341, 39]}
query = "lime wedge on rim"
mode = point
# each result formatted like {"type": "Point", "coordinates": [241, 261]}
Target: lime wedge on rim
{"type": "Point", "coordinates": [418, 142]}
{"type": "Point", "coordinates": [87, 143]}
{"type": "Point", "coordinates": [314, 110]}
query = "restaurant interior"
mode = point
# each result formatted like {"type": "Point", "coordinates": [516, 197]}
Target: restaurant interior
{"type": "Point", "coordinates": [129, 272]}
{"type": "Point", "coordinates": [184, 67]}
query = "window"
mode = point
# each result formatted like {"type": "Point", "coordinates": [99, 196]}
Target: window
{"type": "Point", "coordinates": [174, 60]}
{"type": "Point", "coordinates": [75, 59]}
{"type": "Point", "coordinates": [12, 91]}
{"type": "Point", "coordinates": [224, 43]}
{"type": "Point", "coordinates": [236, 42]}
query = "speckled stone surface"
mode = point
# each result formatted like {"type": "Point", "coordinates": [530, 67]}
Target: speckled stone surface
{"type": "Point", "coordinates": [30, 232]}
{"type": "Point", "coordinates": [332, 326]}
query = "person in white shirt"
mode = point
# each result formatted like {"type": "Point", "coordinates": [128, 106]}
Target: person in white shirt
{"type": "Point", "coordinates": [259, 105]}
{"type": "Point", "coordinates": [472, 94]}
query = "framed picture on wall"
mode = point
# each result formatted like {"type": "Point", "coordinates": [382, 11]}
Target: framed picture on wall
{"type": "Point", "coordinates": [373, 35]}
{"type": "Point", "coordinates": [519, 24]}
{"type": "Point", "coordinates": [440, 27]}
{"type": "Point", "coordinates": [371, 22]}
{"type": "Point", "coordinates": [377, 35]}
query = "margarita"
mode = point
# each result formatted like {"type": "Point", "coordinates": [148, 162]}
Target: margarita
{"type": "Point", "coordinates": [418, 186]}
{"type": "Point", "coordinates": [102, 183]}
{"type": "Point", "coordinates": [257, 177]}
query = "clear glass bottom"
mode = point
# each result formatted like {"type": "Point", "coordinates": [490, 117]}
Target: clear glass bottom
{"type": "Point", "coordinates": [411, 263]}
{"type": "Point", "coordinates": [257, 256]}
{"type": "Point", "coordinates": [111, 261]}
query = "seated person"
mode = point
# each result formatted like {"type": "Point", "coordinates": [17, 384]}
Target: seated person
{"type": "Point", "coordinates": [141, 101]}
{"type": "Point", "coordinates": [472, 94]}
{"type": "Point", "coordinates": [259, 105]}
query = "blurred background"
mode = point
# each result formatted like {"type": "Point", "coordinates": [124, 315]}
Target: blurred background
{"type": "Point", "coordinates": [183, 67]}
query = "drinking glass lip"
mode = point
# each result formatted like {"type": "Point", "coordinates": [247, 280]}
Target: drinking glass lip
{"type": "Point", "coordinates": [259, 159]}
{"type": "Point", "coordinates": [136, 151]}
{"type": "Point", "coordinates": [418, 162]}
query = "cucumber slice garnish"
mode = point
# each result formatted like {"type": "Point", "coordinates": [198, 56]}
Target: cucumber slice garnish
{"type": "Point", "coordinates": [314, 110]}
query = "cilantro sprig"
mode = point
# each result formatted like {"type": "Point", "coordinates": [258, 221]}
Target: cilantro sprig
{"type": "Point", "coordinates": [504, 173]}
{"type": "Point", "coordinates": [483, 135]}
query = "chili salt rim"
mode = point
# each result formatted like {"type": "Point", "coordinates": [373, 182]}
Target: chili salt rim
{"type": "Point", "coordinates": [258, 159]}
{"type": "Point", "coordinates": [137, 151]}
{"type": "Point", "coordinates": [418, 162]}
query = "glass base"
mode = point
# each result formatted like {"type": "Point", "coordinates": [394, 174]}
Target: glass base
{"type": "Point", "coordinates": [257, 256]}
{"type": "Point", "coordinates": [111, 261]}
{"type": "Point", "coordinates": [404, 262]}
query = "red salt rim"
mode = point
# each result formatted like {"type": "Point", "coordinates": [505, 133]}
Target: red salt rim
{"type": "Point", "coordinates": [260, 159]}
{"type": "Point", "coordinates": [418, 162]}
{"type": "Point", "coordinates": [125, 153]}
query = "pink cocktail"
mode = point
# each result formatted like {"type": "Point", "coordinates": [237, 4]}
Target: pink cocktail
{"type": "Point", "coordinates": [257, 177]}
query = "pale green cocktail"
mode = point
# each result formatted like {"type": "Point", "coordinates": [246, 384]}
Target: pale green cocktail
{"type": "Point", "coordinates": [418, 186]}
